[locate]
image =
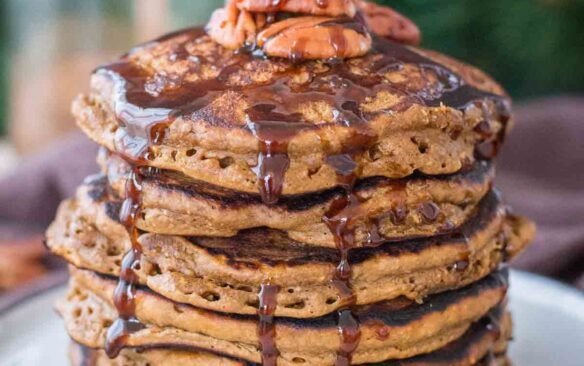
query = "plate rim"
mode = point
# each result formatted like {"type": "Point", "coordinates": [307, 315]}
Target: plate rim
{"type": "Point", "coordinates": [557, 294]}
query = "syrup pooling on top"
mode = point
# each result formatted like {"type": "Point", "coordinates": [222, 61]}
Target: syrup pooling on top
{"type": "Point", "coordinates": [147, 101]}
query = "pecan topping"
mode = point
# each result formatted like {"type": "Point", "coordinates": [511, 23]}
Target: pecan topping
{"type": "Point", "coordinates": [232, 27]}
{"type": "Point", "coordinates": [314, 37]}
{"type": "Point", "coordinates": [388, 23]}
{"type": "Point", "coordinates": [336, 28]}
{"type": "Point", "coordinates": [333, 8]}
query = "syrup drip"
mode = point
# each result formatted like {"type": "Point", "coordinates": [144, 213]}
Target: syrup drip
{"type": "Point", "coordinates": [142, 130]}
{"type": "Point", "coordinates": [125, 292]}
{"type": "Point", "coordinates": [350, 331]}
{"type": "Point", "coordinates": [266, 326]}
{"type": "Point", "coordinates": [273, 131]}
{"type": "Point", "coordinates": [339, 219]}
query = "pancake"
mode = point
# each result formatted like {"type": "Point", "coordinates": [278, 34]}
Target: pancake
{"type": "Point", "coordinates": [473, 345]}
{"type": "Point", "coordinates": [396, 329]}
{"type": "Point", "coordinates": [242, 122]}
{"type": "Point", "coordinates": [420, 206]}
{"type": "Point", "coordinates": [225, 274]}
{"type": "Point", "coordinates": [84, 356]}
{"type": "Point", "coordinates": [301, 187]}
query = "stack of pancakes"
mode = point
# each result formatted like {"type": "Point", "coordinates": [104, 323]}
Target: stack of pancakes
{"type": "Point", "coordinates": [253, 210]}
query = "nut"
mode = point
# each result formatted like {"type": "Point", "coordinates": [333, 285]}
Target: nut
{"type": "Point", "coordinates": [332, 8]}
{"type": "Point", "coordinates": [231, 27]}
{"type": "Point", "coordinates": [388, 23]}
{"type": "Point", "coordinates": [312, 37]}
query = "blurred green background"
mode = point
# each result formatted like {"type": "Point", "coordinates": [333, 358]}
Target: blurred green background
{"type": "Point", "coordinates": [533, 47]}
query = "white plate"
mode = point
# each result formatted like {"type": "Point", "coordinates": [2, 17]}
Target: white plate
{"type": "Point", "coordinates": [549, 326]}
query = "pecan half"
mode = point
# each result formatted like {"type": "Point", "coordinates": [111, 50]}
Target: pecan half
{"type": "Point", "coordinates": [333, 8]}
{"type": "Point", "coordinates": [312, 37]}
{"type": "Point", "coordinates": [232, 27]}
{"type": "Point", "coordinates": [388, 23]}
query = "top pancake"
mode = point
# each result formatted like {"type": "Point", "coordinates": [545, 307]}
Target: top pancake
{"type": "Point", "coordinates": [185, 103]}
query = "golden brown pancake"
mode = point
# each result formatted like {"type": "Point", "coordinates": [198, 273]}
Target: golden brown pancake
{"type": "Point", "coordinates": [173, 203]}
{"type": "Point", "coordinates": [225, 274]}
{"type": "Point", "coordinates": [312, 208]}
{"type": "Point", "coordinates": [396, 329]}
{"type": "Point", "coordinates": [84, 356]}
{"type": "Point", "coordinates": [189, 105]}
{"type": "Point", "coordinates": [462, 352]}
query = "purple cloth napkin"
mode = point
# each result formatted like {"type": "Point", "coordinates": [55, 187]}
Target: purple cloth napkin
{"type": "Point", "coordinates": [541, 174]}
{"type": "Point", "coordinates": [30, 195]}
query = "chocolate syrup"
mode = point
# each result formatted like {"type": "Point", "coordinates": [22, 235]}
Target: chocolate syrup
{"type": "Point", "coordinates": [145, 105]}
{"type": "Point", "coordinates": [141, 129]}
{"type": "Point", "coordinates": [339, 219]}
{"type": "Point", "coordinates": [266, 326]}
{"type": "Point", "coordinates": [273, 130]}
{"type": "Point", "coordinates": [145, 115]}
{"type": "Point", "coordinates": [350, 331]}
{"type": "Point", "coordinates": [125, 293]}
